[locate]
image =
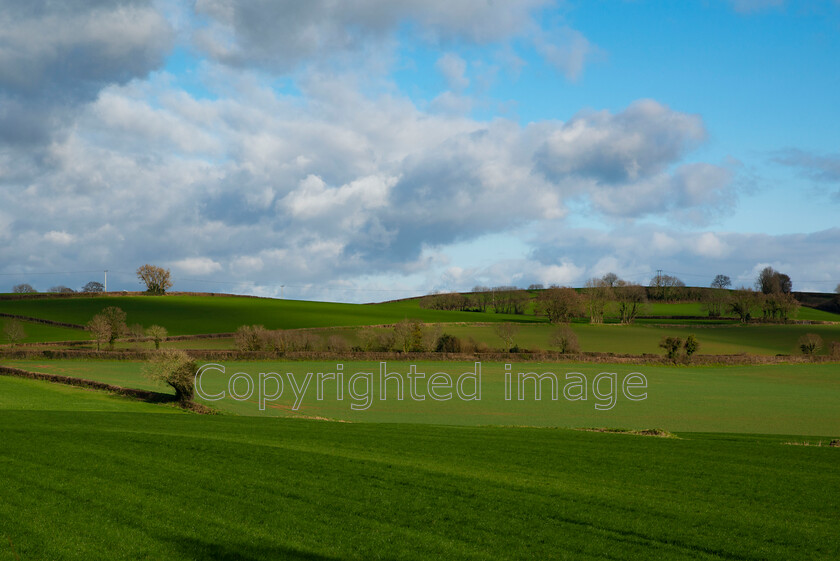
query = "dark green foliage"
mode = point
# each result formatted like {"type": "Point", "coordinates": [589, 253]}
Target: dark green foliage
{"type": "Point", "coordinates": [447, 343]}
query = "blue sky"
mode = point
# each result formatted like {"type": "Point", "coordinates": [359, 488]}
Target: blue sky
{"type": "Point", "coordinates": [365, 150]}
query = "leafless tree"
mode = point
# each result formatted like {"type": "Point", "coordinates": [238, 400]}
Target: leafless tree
{"type": "Point", "coordinates": [23, 289]}
{"type": "Point", "coordinates": [507, 333]}
{"type": "Point", "coordinates": [559, 305]}
{"type": "Point", "coordinates": [99, 329]}
{"type": "Point", "coordinates": [13, 332]}
{"type": "Point", "coordinates": [564, 340]}
{"type": "Point", "coordinates": [771, 281]}
{"type": "Point", "coordinates": [598, 295]}
{"type": "Point", "coordinates": [721, 281]}
{"type": "Point", "coordinates": [631, 299]}
{"type": "Point", "coordinates": [743, 303]}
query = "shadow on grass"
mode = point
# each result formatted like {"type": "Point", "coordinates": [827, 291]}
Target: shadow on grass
{"type": "Point", "coordinates": [205, 550]}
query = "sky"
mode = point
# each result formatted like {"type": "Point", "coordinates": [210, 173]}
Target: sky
{"type": "Point", "coordinates": [378, 149]}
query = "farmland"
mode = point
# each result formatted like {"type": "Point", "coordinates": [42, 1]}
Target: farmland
{"type": "Point", "coordinates": [744, 469]}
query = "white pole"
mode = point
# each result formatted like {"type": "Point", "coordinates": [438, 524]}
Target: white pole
{"type": "Point", "coordinates": [105, 288]}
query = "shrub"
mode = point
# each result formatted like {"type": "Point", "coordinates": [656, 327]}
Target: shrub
{"type": "Point", "coordinates": [834, 349]}
{"type": "Point", "coordinates": [810, 343]}
{"type": "Point", "coordinates": [564, 340]}
{"type": "Point", "coordinates": [337, 344]}
{"type": "Point", "coordinates": [250, 337]}
{"type": "Point", "coordinates": [691, 345]}
{"type": "Point", "coordinates": [176, 368]}
{"type": "Point", "coordinates": [447, 343]}
{"type": "Point", "coordinates": [671, 345]}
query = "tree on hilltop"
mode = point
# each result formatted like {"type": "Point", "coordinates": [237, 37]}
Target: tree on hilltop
{"type": "Point", "coordinates": [156, 279]}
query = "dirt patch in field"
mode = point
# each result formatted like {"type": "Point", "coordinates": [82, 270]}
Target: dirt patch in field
{"type": "Point", "coordinates": [661, 433]}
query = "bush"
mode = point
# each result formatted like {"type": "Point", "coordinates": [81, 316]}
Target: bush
{"type": "Point", "coordinates": [810, 344]}
{"type": "Point", "coordinates": [250, 337]}
{"type": "Point", "coordinates": [564, 340]}
{"type": "Point", "coordinates": [176, 368]}
{"type": "Point", "coordinates": [447, 343]}
{"type": "Point", "coordinates": [834, 349]}
{"type": "Point", "coordinates": [671, 345]}
{"type": "Point", "coordinates": [157, 334]}
{"type": "Point", "coordinates": [337, 344]}
{"type": "Point", "coordinates": [691, 345]}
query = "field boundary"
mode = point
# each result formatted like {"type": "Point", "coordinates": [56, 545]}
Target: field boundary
{"type": "Point", "coordinates": [133, 393]}
{"type": "Point", "coordinates": [43, 321]}
{"type": "Point", "coordinates": [551, 357]}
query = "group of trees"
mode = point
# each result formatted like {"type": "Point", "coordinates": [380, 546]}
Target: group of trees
{"type": "Point", "coordinates": [500, 299]}
{"type": "Point", "coordinates": [673, 345]}
{"type": "Point", "coordinates": [91, 287]}
{"type": "Point", "coordinates": [156, 279]}
{"type": "Point", "coordinates": [108, 326]}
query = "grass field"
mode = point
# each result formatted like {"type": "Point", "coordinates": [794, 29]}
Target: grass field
{"type": "Point", "coordinates": [188, 315]}
{"type": "Point", "coordinates": [40, 333]}
{"type": "Point", "coordinates": [778, 399]}
{"type": "Point", "coordinates": [89, 475]}
{"type": "Point", "coordinates": [131, 485]}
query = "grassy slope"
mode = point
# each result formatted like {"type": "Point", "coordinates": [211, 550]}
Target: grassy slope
{"type": "Point", "coordinates": [108, 485]}
{"type": "Point", "coordinates": [779, 399]}
{"type": "Point", "coordinates": [184, 315]}
{"type": "Point", "coordinates": [39, 333]}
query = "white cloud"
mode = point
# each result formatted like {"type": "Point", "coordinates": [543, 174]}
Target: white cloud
{"type": "Point", "coordinates": [197, 266]}
{"type": "Point", "coordinates": [454, 70]}
{"type": "Point", "coordinates": [60, 238]}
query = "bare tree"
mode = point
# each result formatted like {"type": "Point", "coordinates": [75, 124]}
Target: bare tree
{"type": "Point", "coordinates": [721, 281]}
{"type": "Point", "coordinates": [93, 287]}
{"type": "Point", "coordinates": [176, 368]}
{"type": "Point", "coordinates": [771, 281]}
{"type": "Point", "coordinates": [598, 294]}
{"type": "Point", "coordinates": [507, 333]}
{"type": "Point", "coordinates": [23, 289]}
{"type": "Point", "coordinates": [157, 334]}
{"type": "Point", "coordinates": [610, 279]}
{"type": "Point", "coordinates": [631, 300]}
{"type": "Point", "coordinates": [715, 302]}
{"type": "Point", "coordinates": [559, 305]}
{"type": "Point", "coordinates": [99, 329]}
{"type": "Point", "coordinates": [666, 287]}
{"type": "Point", "coordinates": [13, 332]}
{"type": "Point", "coordinates": [61, 289]}
{"type": "Point", "coordinates": [156, 279]}
{"type": "Point", "coordinates": [564, 340]}
{"type": "Point", "coordinates": [404, 334]}
{"type": "Point", "coordinates": [743, 303]}
{"type": "Point", "coordinates": [778, 305]}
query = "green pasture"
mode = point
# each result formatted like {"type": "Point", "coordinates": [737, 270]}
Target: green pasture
{"type": "Point", "coordinates": [775, 399]}
{"type": "Point", "coordinates": [126, 484]}
{"type": "Point", "coordinates": [188, 315]}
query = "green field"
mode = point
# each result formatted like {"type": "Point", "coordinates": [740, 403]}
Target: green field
{"type": "Point", "coordinates": [89, 475]}
{"type": "Point", "coordinates": [776, 399]}
{"type": "Point", "coordinates": [189, 315]}
{"type": "Point", "coordinates": [130, 485]}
